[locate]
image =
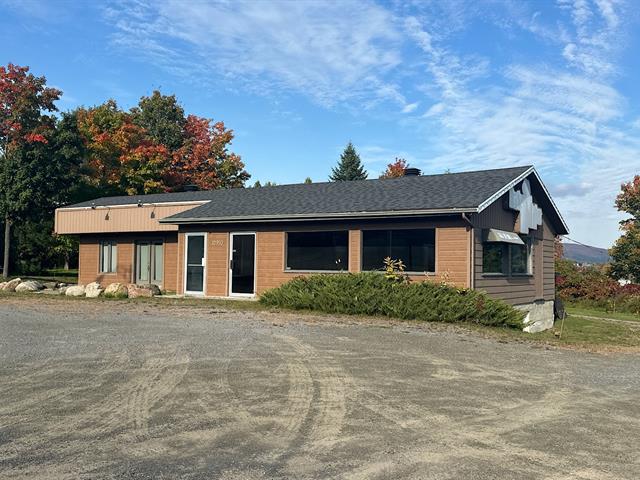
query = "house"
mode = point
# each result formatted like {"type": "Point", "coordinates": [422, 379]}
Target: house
{"type": "Point", "coordinates": [491, 230]}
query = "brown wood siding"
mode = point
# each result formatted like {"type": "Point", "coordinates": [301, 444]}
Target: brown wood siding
{"type": "Point", "coordinates": [355, 247]}
{"type": "Point", "coordinates": [89, 259]}
{"type": "Point", "coordinates": [217, 264]}
{"type": "Point", "coordinates": [170, 263]}
{"type": "Point", "coordinates": [180, 273]}
{"type": "Point", "coordinates": [121, 219]}
{"type": "Point", "coordinates": [516, 290]}
{"type": "Point", "coordinates": [453, 256]}
{"type": "Point", "coordinates": [270, 271]}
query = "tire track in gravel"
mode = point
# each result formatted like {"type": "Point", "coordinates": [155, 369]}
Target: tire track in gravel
{"type": "Point", "coordinates": [20, 401]}
{"type": "Point", "coordinates": [111, 416]}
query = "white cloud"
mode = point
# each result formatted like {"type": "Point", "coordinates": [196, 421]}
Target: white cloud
{"type": "Point", "coordinates": [410, 107]}
{"type": "Point", "coordinates": [330, 51]}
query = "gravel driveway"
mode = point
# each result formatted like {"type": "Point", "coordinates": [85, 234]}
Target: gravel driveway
{"type": "Point", "coordinates": [116, 390]}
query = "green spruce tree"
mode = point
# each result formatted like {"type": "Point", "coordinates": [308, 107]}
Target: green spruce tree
{"type": "Point", "coordinates": [350, 167]}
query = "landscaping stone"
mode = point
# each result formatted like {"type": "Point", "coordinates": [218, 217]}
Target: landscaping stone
{"type": "Point", "coordinates": [136, 291]}
{"type": "Point", "coordinates": [93, 290]}
{"type": "Point", "coordinates": [50, 285]}
{"type": "Point", "coordinates": [2, 284]}
{"type": "Point", "coordinates": [11, 285]}
{"type": "Point", "coordinates": [75, 291]}
{"type": "Point", "coordinates": [116, 290]}
{"type": "Point", "coordinates": [155, 289]}
{"type": "Point", "coordinates": [29, 286]}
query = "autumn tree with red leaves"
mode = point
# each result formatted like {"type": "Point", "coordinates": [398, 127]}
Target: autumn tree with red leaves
{"type": "Point", "coordinates": [25, 183]}
{"type": "Point", "coordinates": [395, 169]}
{"type": "Point", "coordinates": [625, 254]}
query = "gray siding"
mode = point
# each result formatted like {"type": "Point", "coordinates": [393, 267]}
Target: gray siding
{"type": "Point", "coordinates": [516, 290]}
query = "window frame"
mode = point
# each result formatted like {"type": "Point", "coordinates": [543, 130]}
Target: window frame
{"type": "Point", "coordinates": [113, 266]}
{"type": "Point", "coordinates": [309, 270]}
{"type": "Point", "coordinates": [408, 272]}
{"type": "Point", "coordinates": [507, 269]}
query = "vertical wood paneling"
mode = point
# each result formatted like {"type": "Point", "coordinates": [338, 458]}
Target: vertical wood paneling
{"type": "Point", "coordinates": [355, 244]}
{"type": "Point", "coordinates": [217, 264]}
{"type": "Point", "coordinates": [180, 276]}
{"type": "Point", "coordinates": [170, 273]}
{"type": "Point", "coordinates": [453, 256]}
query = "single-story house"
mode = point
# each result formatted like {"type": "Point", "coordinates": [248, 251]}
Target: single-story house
{"type": "Point", "coordinates": [491, 230]}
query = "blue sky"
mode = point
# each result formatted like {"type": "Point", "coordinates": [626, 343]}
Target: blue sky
{"type": "Point", "coordinates": [448, 85]}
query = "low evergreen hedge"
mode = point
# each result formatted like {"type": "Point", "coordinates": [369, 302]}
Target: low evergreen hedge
{"type": "Point", "coordinates": [372, 294]}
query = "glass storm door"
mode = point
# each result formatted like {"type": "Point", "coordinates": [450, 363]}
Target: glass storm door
{"type": "Point", "coordinates": [149, 262]}
{"type": "Point", "coordinates": [195, 263]}
{"type": "Point", "coordinates": [242, 265]}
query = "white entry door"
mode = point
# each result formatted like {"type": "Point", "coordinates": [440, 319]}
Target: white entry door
{"type": "Point", "coordinates": [195, 263]}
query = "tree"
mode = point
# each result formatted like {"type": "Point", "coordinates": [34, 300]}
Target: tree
{"type": "Point", "coordinates": [349, 167]}
{"type": "Point", "coordinates": [204, 159]}
{"type": "Point", "coordinates": [25, 178]}
{"type": "Point", "coordinates": [625, 254]}
{"type": "Point", "coordinates": [395, 169]}
{"type": "Point", "coordinates": [308, 180]}
{"type": "Point", "coordinates": [162, 118]}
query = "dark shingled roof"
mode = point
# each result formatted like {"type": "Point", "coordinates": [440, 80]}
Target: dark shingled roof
{"type": "Point", "coordinates": [450, 191]}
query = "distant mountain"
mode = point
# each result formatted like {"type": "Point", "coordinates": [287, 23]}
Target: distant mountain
{"type": "Point", "coordinates": [585, 253]}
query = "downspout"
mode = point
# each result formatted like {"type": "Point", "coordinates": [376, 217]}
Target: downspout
{"type": "Point", "coordinates": [472, 275]}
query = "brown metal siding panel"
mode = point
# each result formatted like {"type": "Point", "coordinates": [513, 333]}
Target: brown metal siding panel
{"type": "Point", "coordinates": [515, 290]}
{"type": "Point", "coordinates": [270, 261]}
{"type": "Point", "coordinates": [121, 219]}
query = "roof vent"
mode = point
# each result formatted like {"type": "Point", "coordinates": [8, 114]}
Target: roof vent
{"type": "Point", "coordinates": [190, 188]}
{"type": "Point", "coordinates": [412, 172]}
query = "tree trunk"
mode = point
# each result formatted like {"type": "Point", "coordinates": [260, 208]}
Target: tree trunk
{"type": "Point", "coordinates": [66, 261]}
{"type": "Point", "coordinates": [7, 239]}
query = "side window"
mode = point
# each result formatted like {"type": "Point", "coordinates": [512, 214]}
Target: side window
{"type": "Point", "coordinates": [108, 256]}
{"type": "Point", "coordinates": [415, 247]}
{"type": "Point", "coordinates": [507, 258]}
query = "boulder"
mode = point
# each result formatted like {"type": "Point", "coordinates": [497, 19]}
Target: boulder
{"type": "Point", "coordinates": [93, 290]}
{"type": "Point", "coordinates": [155, 289]}
{"type": "Point", "coordinates": [29, 286]}
{"type": "Point", "coordinates": [136, 291]}
{"type": "Point", "coordinates": [50, 285]}
{"type": "Point", "coordinates": [11, 285]}
{"type": "Point", "coordinates": [116, 290]}
{"type": "Point", "coordinates": [2, 284]}
{"type": "Point", "coordinates": [75, 291]}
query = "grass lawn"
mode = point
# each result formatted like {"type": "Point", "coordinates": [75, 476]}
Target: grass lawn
{"type": "Point", "coordinates": [54, 275]}
{"type": "Point", "coordinates": [580, 310]}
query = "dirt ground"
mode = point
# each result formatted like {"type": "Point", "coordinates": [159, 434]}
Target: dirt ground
{"type": "Point", "coordinates": [110, 390]}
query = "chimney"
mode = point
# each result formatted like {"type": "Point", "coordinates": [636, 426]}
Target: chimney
{"type": "Point", "coordinates": [412, 172]}
{"type": "Point", "coordinates": [190, 188]}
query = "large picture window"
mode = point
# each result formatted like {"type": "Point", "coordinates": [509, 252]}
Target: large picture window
{"type": "Point", "coordinates": [415, 247]}
{"type": "Point", "coordinates": [318, 250]}
{"type": "Point", "coordinates": [108, 256]}
{"type": "Point", "coordinates": [507, 258]}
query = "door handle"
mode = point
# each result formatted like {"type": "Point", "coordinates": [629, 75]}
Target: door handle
{"type": "Point", "coordinates": [230, 264]}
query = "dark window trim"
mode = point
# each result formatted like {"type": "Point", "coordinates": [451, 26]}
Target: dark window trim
{"type": "Point", "coordinates": [408, 272]}
{"type": "Point", "coordinates": [309, 270]}
{"type": "Point", "coordinates": [529, 242]}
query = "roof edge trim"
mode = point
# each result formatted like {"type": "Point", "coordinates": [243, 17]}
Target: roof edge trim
{"type": "Point", "coordinates": [514, 182]}
{"type": "Point", "coordinates": [325, 216]}
{"type": "Point", "coordinates": [129, 205]}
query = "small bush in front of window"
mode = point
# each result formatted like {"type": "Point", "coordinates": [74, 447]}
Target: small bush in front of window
{"type": "Point", "coordinates": [369, 293]}
{"type": "Point", "coordinates": [394, 271]}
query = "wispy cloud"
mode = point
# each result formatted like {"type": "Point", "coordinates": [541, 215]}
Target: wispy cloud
{"type": "Point", "coordinates": [314, 48]}
{"type": "Point", "coordinates": [566, 120]}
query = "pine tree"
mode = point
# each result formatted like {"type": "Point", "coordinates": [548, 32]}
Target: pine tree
{"type": "Point", "coordinates": [350, 167]}
{"type": "Point", "coordinates": [308, 180]}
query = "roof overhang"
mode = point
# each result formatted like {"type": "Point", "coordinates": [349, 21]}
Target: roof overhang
{"type": "Point", "coordinates": [316, 216]}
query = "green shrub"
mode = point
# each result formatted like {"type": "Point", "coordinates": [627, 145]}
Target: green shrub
{"type": "Point", "coordinates": [373, 294]}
